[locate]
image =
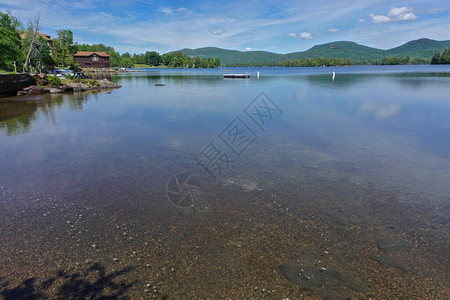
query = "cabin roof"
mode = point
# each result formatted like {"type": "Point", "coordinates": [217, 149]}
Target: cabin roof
{"type": "Point", "coordinates": [88, 53]}
{"type": "Point", "coordinates": [23, 35]}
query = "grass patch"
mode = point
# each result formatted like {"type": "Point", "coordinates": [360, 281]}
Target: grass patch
{"type": "Point", "coordinates": [142, 66]}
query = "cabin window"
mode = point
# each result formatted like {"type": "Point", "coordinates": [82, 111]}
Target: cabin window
{"type": "Point", "coordinates": [94, 58]}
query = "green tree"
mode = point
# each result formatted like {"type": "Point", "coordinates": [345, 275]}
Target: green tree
{"type": "Point", "coordinates": [94, 48]}
{"type": "Point", "coordinates": [40, 57]}
{"type": "Point", "coordinates": [115, 59]}
{"type": "Point", "coordinates": [197, 62]}
{"type": "Point", "coordinates": [63, 48]}
{"type": "Point", "coordinates": [126, 60]}
{"type": "Point", "coordinates": [446, 56]}
{"type": "Point", "coordinates": [138, 58]}
{"type": "Point", "coordinates": [216, 62]}
{"type": "Point", "coordinates": [443, 58]}
{"type": "Point", "coordinates": [10, 42]}
{"type": "Point", "coordinates": [167, 59]}
{"type": "Point", "coordinates": [152, 58]}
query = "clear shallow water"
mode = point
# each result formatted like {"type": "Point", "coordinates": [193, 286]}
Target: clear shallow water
{"type": "Point", "coordinates": [349, 162]}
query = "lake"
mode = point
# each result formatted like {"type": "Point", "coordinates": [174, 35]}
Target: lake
{"type": "Point", "coordinates": [288, 185]}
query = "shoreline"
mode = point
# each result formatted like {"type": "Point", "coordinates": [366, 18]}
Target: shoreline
{"type": "Point", "coordinates": [24, 84]}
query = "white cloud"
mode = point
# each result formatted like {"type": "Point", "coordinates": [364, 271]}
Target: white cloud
{"type": "Point", "coordinates": [395, 14]}
{"type": "Point", "coordinates": [361, 21]}
{"type": "Point", "coordinates": [379, 18]}
{"type": "Point", "coordinates": [218, 32]}
{"type": "Point", "coordinates": [305, 36]}
{"type": "Point", "coordinates": [333, 30]}
{"type": "Point", "coordinates": [408, 17]}
{"type": "Point", "coordinates": [248, 49]}
{"type": "Point", "coordinates": [171, 11]}
{"type": "Point", "coordinates": [166, 10]}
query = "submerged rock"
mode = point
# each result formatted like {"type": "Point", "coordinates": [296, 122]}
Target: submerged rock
{"type": "Point", "coordinates": [311, 277]}
{"type": "Point", "coordinates": [392, 244]}
{"type": "Point", "coordinates": [389, 262]}
{"type": "Point", "coordinates": [341, 218]}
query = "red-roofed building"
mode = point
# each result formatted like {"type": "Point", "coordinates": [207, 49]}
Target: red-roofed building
{"type": "Point", "coordinates": [46, 37]}
{"type": "Point", "coordinates": [87, 59]}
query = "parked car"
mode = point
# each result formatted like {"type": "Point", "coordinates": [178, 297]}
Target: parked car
{"type": "Point", "coordinates": [80, 75]}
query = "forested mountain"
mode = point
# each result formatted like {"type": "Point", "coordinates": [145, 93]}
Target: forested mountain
{"type": "Point", "coordinates": [419, 49]}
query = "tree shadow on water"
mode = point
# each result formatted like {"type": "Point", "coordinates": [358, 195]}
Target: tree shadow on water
{"type": "Point", "coordinates": [93, 283]}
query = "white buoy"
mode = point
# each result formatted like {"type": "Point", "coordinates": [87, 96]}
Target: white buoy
{"type": "Point", "coordinates": [334, 74]}
{"type": "Point", "coordinates": [258, 74]}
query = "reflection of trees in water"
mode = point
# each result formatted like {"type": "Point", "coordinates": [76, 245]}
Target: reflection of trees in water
{"type": "Point", "coordinates": [99, 75]}
{"type": "Point", "coordinates": [76, 100]}
{"type": "Point", "coordinates": [17, 116]}
{"type": "Point", "coordinates": [91, 283]}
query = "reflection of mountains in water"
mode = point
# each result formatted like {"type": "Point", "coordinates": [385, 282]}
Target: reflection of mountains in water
{"type": "Point", "coordinates": [345, 80]}
{"type": "Point", "coordinates": [18, 114]}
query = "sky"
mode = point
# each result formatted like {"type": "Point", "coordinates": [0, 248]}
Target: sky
{"type": "Point", "coordinates": [136, 26]}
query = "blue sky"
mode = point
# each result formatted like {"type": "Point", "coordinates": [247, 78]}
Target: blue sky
{"type": "Point", "coordinates": [278, 26]}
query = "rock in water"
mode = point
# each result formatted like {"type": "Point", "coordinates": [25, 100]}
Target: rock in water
{"type": "Point", "coordinates": [389, 262]}
{"type": "Point", "coordinates": [106, 84]}
{"type": "Point", "coordinates": [77, 86]}
{"type": "Point", "coordinates": [55, 91]}
{"type": "Point", "coordinates": [311, 277]}
{"type": "Point", "coordinates": [388, 244]}
{"type": "Point", "coordinates": [31, 90]}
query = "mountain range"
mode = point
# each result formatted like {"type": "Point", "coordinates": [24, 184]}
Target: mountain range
{"type": "Point", "coordinates": [421, 49]}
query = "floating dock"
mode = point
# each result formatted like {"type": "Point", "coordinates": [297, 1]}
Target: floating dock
{"type": "Point", "coordinates": [236, 75]}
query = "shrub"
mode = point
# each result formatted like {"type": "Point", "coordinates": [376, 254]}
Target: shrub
{"type": "Point", "coordinates": [93, 82]}
{"type": "Point", "coordinates": [53, 80]}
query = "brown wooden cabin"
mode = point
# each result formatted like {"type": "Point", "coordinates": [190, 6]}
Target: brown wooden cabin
{"type": "Point", "coordinates": [87, 59]}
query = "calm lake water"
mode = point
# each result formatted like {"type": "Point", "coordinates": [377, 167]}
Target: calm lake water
{"type": "Point", "coordinates": [347, 179]}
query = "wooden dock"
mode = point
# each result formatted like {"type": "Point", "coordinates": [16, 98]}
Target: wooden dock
{"type": "Point", "coordinates": [236, 75]}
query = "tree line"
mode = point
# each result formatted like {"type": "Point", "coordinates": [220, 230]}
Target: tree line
{"type": "Point", "coordinates": [439, 59]}
{"type": "Point", "coordinates": [333, 62]}
{"type": "Point", "coordinates": [315, 62]}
